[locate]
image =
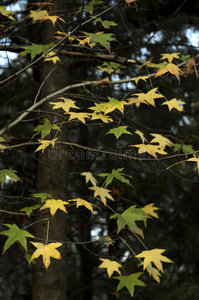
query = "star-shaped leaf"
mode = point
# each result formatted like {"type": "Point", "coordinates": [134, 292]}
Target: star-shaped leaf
{"type": "Point", "coordinates": [28, 210]}
{"type": "Point", "coordinates": [170, 56]}
{"type": "Point", "coordinates": [150, 210]}
{"type": "Point", "coordinates": [171, 68]}
{"type": "Point", "coordinates": [129, 217]}
{"type": "Point", "coordinates": [54, 205]}
{"type": "Point", "coordinates": [195, 159]}
{"type": "Point", "coordinates": [111, 266]}
{"type": "Point", "coordinates": [151, 149]}
{"type": "Point", "coordinates": [154, 256]}
{"type": "Point", "coordinates": [137, 79]}
{"type": "Point", "coordinates": [113, 104]}
{"type": "Point", "coordinates": [174, 103]}
{"type": "Point", "coordinates": [104, 118]}
{"type": "Point", "coordinates": [161, 140]}
{"type": "Point", "coordinates": [47, 251]}
{"type": "Point", "coordinates": [82, 202]}
{"type": "Point", "coordinates": [15, 234]}
{"type": "Point", "coordinates": [45, 129]}
{"type": "Point", "coordinates": [130, 282]}
{"type": "Point", "coordinates": [43, 196]}
{"type": "Point", "coordinates": [35, 49]}
{"type": "Point", "coordinates": [66, 104]}
{"type": "Point", "coordinates": [102, 38]}
{"type": "Point", "coordinates": [89, 177]}
{"type": "Point", "coordinates": [36, 15]}
{"type": "Point", "coordinates": [146, 98]}
{"type": "Point", "coordinates": [80, 116]}
{"type": "Point", "coordinates": [119, 131]}
{"type": "Point", "coordinates": [45, 144]}
{"type": "Point", "coordinates": [115, 174]}
{"type": "Point", "coordinates": [102, 193]}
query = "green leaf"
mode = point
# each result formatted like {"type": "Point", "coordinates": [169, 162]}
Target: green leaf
{"type": "Point", "coordinates": [45, 129]}
{"type": "Point", "coordinates": [115, 174]}
{"type": "Point", "coordinates": [102, 38]}
{"type": "Point", "coordinates": [28, 210]}
{"type": "Point", "coordinates": [128, 218]}
{"type": "Point", "coordinates": [8, 173]}
{"type": "Point", "coordinates": [119, 131]}
{"type": "Point", "coordinates": [106, 24]}
{"type": "Point", "coordinates": [184, 57]}
{"type": "Point", "coordinates": [185, 148]}
{"type": "Point", "coordinates": [110, 67]}
{"type": "Point", "coordinates": [129, 282]}
{"type": "Point", "coordinates": [90, 6]}
{"type": "Point", "coordinates": [43, 196]}
{"type": "Point", "coordinates": [35, 49]}
{"type": "Point", "coordinates": [15, 234]}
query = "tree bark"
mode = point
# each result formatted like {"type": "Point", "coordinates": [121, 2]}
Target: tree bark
{"type": "Point", "coordinates": [52, 179]}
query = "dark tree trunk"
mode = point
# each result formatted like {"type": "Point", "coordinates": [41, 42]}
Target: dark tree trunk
{"type": "Point", "coordinates": [52, 179]}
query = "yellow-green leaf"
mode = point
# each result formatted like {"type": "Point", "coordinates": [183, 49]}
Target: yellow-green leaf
{"type": "Point", "coordinates": [89, 177]}
{"type": "Point", "coordinates": [102, 193]}
{"type": "Point", "coordinates": [111, 266]}
{"type": "Point", "coordinates": [150, 210]}
{"type": "Point", "coordinates": [47, 251]}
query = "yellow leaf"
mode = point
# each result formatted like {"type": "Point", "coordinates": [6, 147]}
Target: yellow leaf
{"type": "Point", "coordinates": [104, 118]}
{"type": "Point", "coordinates": [154, 256]}
{"type": "Point", "coordinates": [136, 79]}
{"type": "Point", "coordinates": [174, 103]}
{"type": "Point", "coordinates": [47, 251]}
{"type": "Point", "coordinates": [53, 19]}
{"type": "Point", "coordinates": [82, 202]}
{"type": "Point", "coordinates": [141, 135]}
{"type": "Point", "coordinates": [102, 193]}
{"type": "Point", "coordinates": [45, 144]}
{"type": "Point", "coordinates": [86, 40]}
{"type": "Point", "coordinates": [36, 15]}
{"type": "Point", "coordinates": [161, 140]}
{"type": "Point", "coordinates": [52, 57]}
{"type": "Point", "coordinates": [151, 149]}
{"type": "Point", "coordinates": [170, 56]}
{"type": "Point", "coordinates": [147, 98]}
{"type": "Point", "coordinates": [66, 104]}
{"type": "Point", "coordinates": [153, 272]}
{"type": "Point", "coordinates": [195, 160]}
{"type": "Point", "coordinates": [89, 177]}
{"type": "Point", "coordinates": [7, 13]}
{"type": "Point", "coordinates": [150, 210]}
{"type": "Point", "coordinates": [111, 266]}
{"type": "Point", "coordinates": [54, 205]}
{"type": "Point", "coordinates": [80, 116]}
{"type": "Point", "coordinates": [171, 68]}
